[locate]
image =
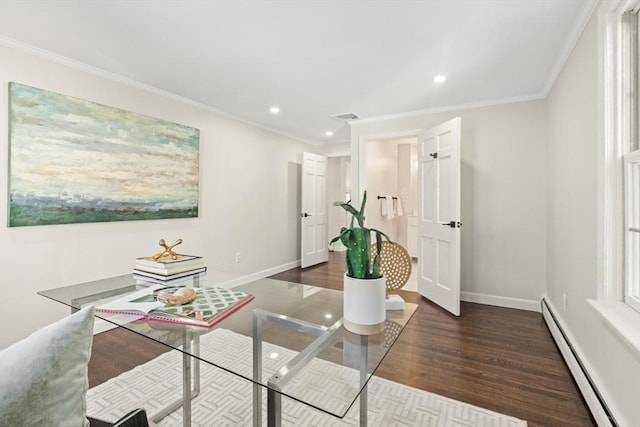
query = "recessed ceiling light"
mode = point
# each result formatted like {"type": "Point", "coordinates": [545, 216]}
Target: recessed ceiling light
{"type": "Point", "coordinates": [439, 78]}
{"type": "Point", "coordinates": [274, 110]}
{"type": "Point", "coordinates": [328, 133]}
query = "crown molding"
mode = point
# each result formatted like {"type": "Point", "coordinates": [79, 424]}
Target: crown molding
{"type": "Point", "coordinates": [449, 108]}
{"type": "Point", "coordinates": [579, 26]}
{"type": "Point", "coordinates": [98, 72]}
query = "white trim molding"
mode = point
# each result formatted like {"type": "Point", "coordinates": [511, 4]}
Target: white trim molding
{"type": "Point", "coordinates": [452, 108]}
{"type": "Point", "coordinates": [576, 363]}
{"type": "Point", "coordinates": [507, 302]}
{"type": "Point", "coordinates": [89, 69]}
{"type": "Point", "coordinates": [583, 19]}
{"type": "Point", "coordinates": [622, 321]}
{"type": "Point", "coordinates": [610, 196]}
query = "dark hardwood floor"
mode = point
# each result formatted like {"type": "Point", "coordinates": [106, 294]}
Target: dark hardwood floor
{"type": "Point", "coordinates": [497, 358]}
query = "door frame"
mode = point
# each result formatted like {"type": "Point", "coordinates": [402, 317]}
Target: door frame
{"type": "Point", "coordinates": [359, 171]}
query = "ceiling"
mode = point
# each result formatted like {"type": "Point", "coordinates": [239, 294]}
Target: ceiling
{"type": "Point", "coordinates": [312, 59]}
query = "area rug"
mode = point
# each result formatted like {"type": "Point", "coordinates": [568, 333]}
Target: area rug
{"type": "Point", "coordinates": [226, 400]}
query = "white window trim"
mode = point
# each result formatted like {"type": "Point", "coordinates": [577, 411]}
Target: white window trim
{"type": "Point", "coordinates": [621, 318]}
{"type": "Point", "coordinates": [610, 176]}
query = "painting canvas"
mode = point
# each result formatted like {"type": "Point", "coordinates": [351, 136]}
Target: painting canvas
{"type": "Point", "coordinates": [74, 161]}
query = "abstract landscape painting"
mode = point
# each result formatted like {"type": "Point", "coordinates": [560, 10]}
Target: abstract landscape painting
{"type": "Point", "coordinates": [75, 161]}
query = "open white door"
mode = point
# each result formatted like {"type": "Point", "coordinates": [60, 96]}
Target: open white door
{"type": "Point", "coordinates": [314, 210]}
{"type": "Point", "coordinates": [439, 215]}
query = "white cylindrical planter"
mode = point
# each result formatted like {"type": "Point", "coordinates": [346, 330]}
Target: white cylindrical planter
{"type": "Point", "coordinates": [364, 305]}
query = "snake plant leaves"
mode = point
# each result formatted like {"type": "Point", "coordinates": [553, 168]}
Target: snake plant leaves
{"type": "Point", "coordinates": [357, 240]}
{"type": "Point", "coordinates": [347, 207]}
{"type": "Point", "coordinates": [344, 231]}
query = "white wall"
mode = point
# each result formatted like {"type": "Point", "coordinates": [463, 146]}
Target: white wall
{"type": "Point", "coordinates": [407, 192]}
{"type": "Point", "coordinates": [503, 196]}
{"type": "Point", "coordinates": [387, 175]}
{"type": "Point", "coordinates": [382, 179]}
{"type": "Point", "coordinates": [249, 201]}
{"type": "Point", "coordinates": [572, 247]}
{"type": "Point", "coordinates": [338, 149]}
{"type": "Point", "coordinates": [408, 175]}
{"type": "Point", "coordinates": [338, 184]}
{"type": "Point", "coordinates": [338, 171]}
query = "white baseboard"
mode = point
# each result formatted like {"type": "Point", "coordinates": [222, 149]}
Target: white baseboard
{"type": "Point", "coordinates": [521, 304]}
{"type": "Point", "coordinates": [260, 274]}
{"type": "Point", "coordinates": [573, 358]}
{"type": "Point", "coordinates": [100, 326]}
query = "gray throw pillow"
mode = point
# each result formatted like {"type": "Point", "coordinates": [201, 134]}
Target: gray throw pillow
{"type": "Point", "coordinates": [43, 378]}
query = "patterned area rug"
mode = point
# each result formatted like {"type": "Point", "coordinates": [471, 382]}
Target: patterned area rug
{"type": "Point", "coordinates": [225, 400]}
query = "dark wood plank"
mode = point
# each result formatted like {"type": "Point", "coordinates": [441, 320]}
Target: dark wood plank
{"type": "Point", "coordinates": [497, 358]}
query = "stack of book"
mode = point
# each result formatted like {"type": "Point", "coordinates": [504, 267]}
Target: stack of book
{"type": "Point", "coordinates": [166, 269]}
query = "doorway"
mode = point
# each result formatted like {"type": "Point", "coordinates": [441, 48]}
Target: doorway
{"type": "Point", "coordinates": [438, 200]}
{"type": "Point", "coordinates": [391, 181]}
{"type": "Point", "coordinates": [338, 189]}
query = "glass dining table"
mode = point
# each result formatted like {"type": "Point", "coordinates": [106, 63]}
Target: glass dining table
{"type": "Point", "coordinates": [305, 321]}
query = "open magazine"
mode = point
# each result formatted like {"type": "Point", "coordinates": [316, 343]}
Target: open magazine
{"type": "Point", "coordinates": [211, 305]}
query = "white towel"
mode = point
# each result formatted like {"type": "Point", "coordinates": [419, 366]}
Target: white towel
{"type": "Point", "coordinates": [399, 211]}
{"type": "Point", "coordinates": [387, 207]}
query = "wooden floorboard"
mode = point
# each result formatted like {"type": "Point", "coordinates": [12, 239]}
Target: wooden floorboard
{"type": "Point", "coordinates": [497, 358]}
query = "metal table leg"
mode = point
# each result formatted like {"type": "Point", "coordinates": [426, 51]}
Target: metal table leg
{"type": "Point", "coordinates": [364, 360]}
{"type": "Point", "coordinates": [257, 371]}
{"type": "Point", "coordinates": [274, 408]}
{"type": "Point", "coordinates": [186, 383]}
{"type": "Point", "coordinates": [188, 394]}
{"type": "Point", "coordinates": [274, 399]}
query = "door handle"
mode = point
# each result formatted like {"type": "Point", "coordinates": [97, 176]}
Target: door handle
{"type": "Point", "coordinates": [304, 215]}
{"type": "Point", "coordinates": [452, 224]}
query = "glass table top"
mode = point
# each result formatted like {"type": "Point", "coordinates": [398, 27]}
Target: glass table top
{"type": "Point", "coordinates": [289, 338]}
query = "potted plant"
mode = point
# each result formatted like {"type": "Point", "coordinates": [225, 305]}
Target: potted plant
{"type": "Point", "coordinates": [364, 286]}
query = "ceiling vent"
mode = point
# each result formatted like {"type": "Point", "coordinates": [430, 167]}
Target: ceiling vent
{"type": "Point", "coordinates": [346, 116]}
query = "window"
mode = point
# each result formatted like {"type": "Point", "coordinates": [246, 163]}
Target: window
{"type": "Point", "coordinates": [629, 122]}
{"type": "Point", "coordinates": [632, 228]}
{"type": "Point", "coordinates": [618, 299]}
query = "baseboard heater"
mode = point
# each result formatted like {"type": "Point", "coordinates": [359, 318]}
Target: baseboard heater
{"type": "Point", "coordinates": [592, 397]}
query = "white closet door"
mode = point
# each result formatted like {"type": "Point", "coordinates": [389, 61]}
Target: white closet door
{"type": "Point", "coordinates": [314, 242]}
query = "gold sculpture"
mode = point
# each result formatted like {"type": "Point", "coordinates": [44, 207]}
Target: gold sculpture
{"type": "Point", "coordinates": [168, 250]}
